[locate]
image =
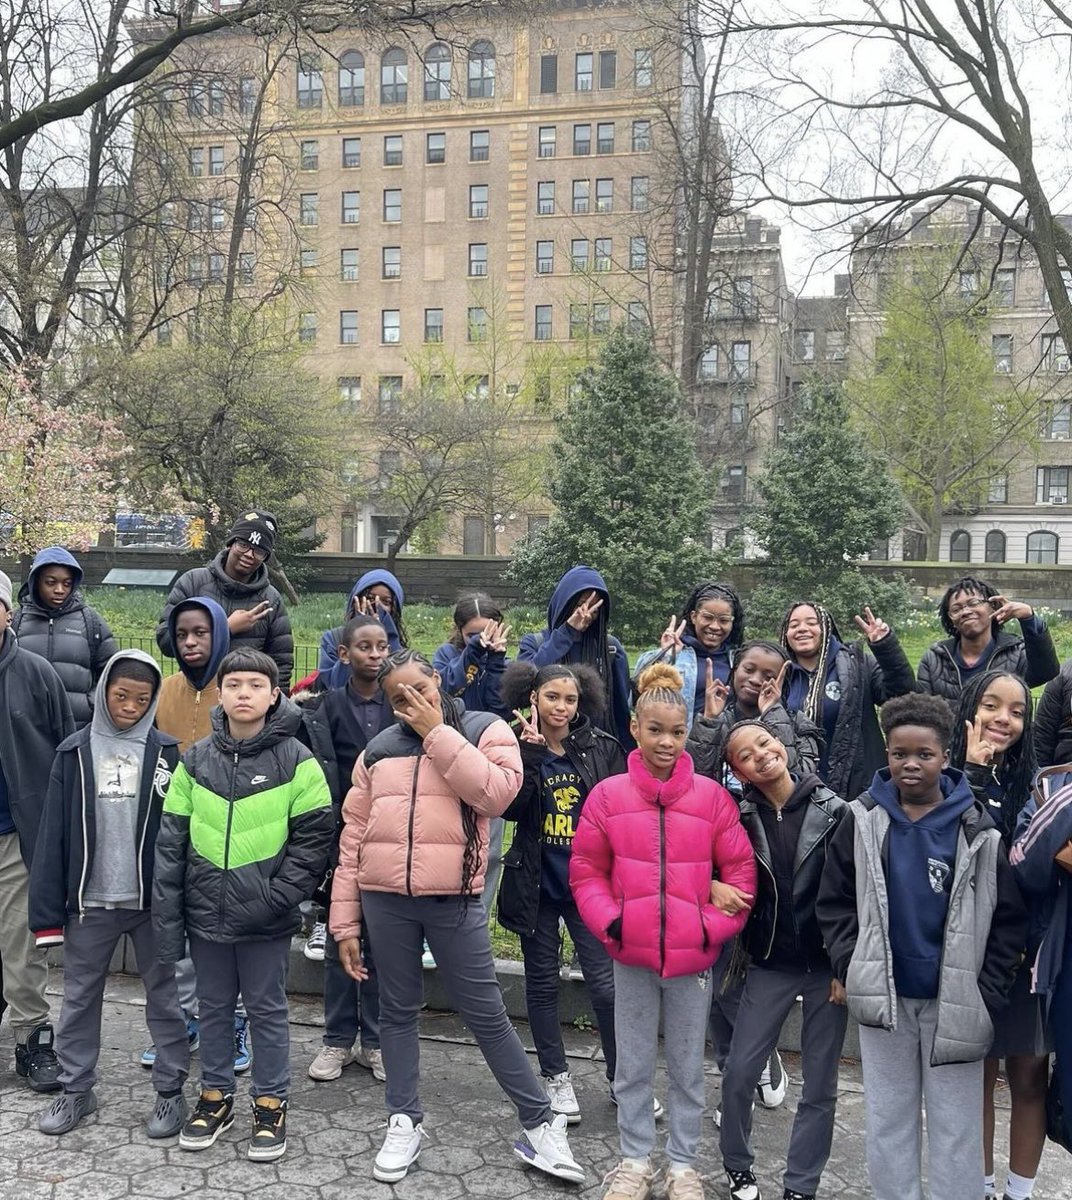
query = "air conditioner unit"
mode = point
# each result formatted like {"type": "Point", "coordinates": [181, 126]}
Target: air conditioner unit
{"type": "Point", "coordinates": [1058, 499]}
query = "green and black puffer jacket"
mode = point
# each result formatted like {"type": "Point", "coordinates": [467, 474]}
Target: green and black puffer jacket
{"type": "Point", "coordinates": [244, 838]}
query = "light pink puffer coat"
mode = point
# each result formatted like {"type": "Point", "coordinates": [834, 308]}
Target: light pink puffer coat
{"type": "Point", "coordinates": [402, 818]}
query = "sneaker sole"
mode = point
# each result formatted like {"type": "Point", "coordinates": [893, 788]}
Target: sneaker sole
{"type": "Point", "coordinates": [530, 1158]}
{"type": "Point", "coordinates": [202, 1143]}
{"type": "Point", "coordinates": [242, 1068]}
{"type": "Point", "coordinates": [572, 1118]}
{"type": "Point", "coordinates": [150, 1063]}
{"type": "Point", "coordinates": [73, 1125]}
{"type": "Point", "coordinates": [772, 1097]}
{"type": "Point", "coordinates": [393, 1176]}
{"type": "Point", "coordinates": [317, 956]}
{"type": "Point", "coordinates": [266, 1153]}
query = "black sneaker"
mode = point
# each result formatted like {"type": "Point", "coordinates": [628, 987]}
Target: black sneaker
{"type": "Point", "coordinates": [743, 1185]}
{"type": "Point", "coordinates": [789, 1194]}
{"type": "Point", "coordinates": [269, 1137]}
{"type": "Point", "coordinates": [36, 1061]}
{"type": "Point", "coordinates": [213, 1115]}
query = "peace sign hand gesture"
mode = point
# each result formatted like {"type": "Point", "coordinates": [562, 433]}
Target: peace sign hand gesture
{"type": "Point", "coordinates": [418, 712]}
{"type": "Point", "coordinates": [1010, 610]}
{"type": "Point", "coordinates": [978, 750]}
{"type": "Point", "coordinates": [872, 627]}
{"type": "Point", "coordinates": [585, 612]}
{"type": "Point", "coordinates": [771, 692]}
{"type": "Point", "coordinates": [530, 729]}
{"type": "Point", "coordinates": [494, 636]}
{"type": "Point", "coordinates": [716, 693]}
{"type": "Point", "coordinates": [670, 638]}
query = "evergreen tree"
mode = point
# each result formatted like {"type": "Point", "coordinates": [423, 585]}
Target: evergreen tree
{"type": "Point", "coordinates": [631, 497]}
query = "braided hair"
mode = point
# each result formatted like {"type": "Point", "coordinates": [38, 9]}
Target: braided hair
{"type": "Point", "coordinates": [1017, 768]}
{"type": "Point", "coordinates": [452, 716]}
{"type": "Point", "coordinates": [521, 678]}
{"type": "Point", "coordinates": [969, 585]}
{"type": "Point", "coordinates": [592, 645]}
{"type": "Point", "coordinates": [710, 590]}
{"type": "Point", "coordinates": [660, 684]}
{"type": "Point", "coordinates": [812, 707]}
{"type": "Point", "coordinates": [722, 759]}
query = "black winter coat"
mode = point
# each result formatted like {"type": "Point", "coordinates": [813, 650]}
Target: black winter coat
{"type": "Point", "coordinates": [1032, 657]}
{"type": "Point", "coordinates": [803, 739]}
{"type": "Point", "coordinates": [74, 638]}
{"type": "Point", "coordinates": [270, 634]}
{"type": "Point", "coordinates": [68, 841]}
{"type": "Point", "coordinates": [1053, 720]}
{"type": "Point", "coordinates": [595, 756]}
{"type": "Point", "coordinates": [35, 717]}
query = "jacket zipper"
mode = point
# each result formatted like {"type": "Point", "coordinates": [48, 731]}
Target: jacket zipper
{"type": "Point", "coordinates": [141, 843]}
{"type": "Point", "coordinates": [662, 882]}
{"type": "Point", "coordinates": [50, 623]}
{"type": "Point", "coordinates": [227, 831]}
{"type": "Point", "coordinates": [412, 817]}
{"type": "Point", "coordinates": [197, 706]}
{"type": "Point", "coordinates": [85, 842]}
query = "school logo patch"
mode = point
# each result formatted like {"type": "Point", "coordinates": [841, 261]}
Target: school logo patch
{"type": "Point", "coordinates": [937, 875]}
{"type": "Point", "coordinates": [833, 689]}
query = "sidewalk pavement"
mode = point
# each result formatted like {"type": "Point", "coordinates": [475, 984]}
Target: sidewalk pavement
{"type": "Point", "coordinates": [335, 1129]}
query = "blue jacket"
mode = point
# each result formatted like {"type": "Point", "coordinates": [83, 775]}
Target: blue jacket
{"type": "Point", "coordinates": [474, 675]}
{"type": "Point", "coordinates": [334, 674]}
{"type": "Point", "coordinates": [558, 643]}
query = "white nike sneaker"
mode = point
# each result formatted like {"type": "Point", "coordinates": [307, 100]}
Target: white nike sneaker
{"type": "Point", "coordinates": [547, 1149]}
{"type": "Point", "coordinates": [400, 1149]}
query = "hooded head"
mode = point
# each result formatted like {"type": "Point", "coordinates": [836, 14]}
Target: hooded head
{"type": "Point", "coordinates": [576, 582]}
{"type": "Point", "coordinates": [124, 705]}
{"type": "Point", "coordinates": [54, 578]}
{"type": "Point", "coordinates": [204, 642]}
{"type": "Point", "coordinates": [371, 579]}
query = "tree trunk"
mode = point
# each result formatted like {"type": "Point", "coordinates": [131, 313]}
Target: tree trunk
{"type": "Point", "coordinates": [278, 575]}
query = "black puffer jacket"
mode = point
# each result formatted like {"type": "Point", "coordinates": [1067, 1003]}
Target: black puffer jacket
{"type": "Point", "coordinates": [1032, 657]}
{"type": "Point", "coordinates": [245, 836]}
{"type": "Point", "coordinates": [74, 638]}
{"type": "Point", "coordinates": [803, 739]}
{"type": "Point", "coordinates": [596, 756]}
{"type": "Point", "coordinates": [270, 634]}
{"type": "Point", "coordinates": [1053, 720]}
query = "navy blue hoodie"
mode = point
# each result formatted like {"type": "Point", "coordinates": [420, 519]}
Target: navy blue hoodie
{"type": "Point", "coordinates": [920, 859]}
{"type": "Point", "coordinates": [335, 674]}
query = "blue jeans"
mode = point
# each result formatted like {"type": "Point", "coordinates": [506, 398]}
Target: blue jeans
{"type": "Point", "coordinates": [540, 951]}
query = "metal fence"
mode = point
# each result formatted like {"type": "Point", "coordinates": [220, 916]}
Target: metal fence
{"type": "Point", "coordinates": [305, 657]}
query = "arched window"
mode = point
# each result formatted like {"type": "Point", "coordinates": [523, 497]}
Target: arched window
{"type": "Point", "coordinates": [1042, 547]}
{"type": "Point", "coordinates": [437, 72]}
{"type": "Point", "coordinates": [394, 77]}
{"type": "Point", "coordinates": [310, 83]}
{"type": "Point", "coordinates": [995, 546]}
{"type": "Point", "coordinates": [481, 70]}
{"type": "Point", "coordinates": [960, 546]}
{"type": "Point", "coordinates": [352, 79]}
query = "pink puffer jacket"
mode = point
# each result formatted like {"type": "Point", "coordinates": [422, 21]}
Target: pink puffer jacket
{"type": "Point", "coordinates": [402, 818]}
{"type": "Point", "coordinates": [645, 852]}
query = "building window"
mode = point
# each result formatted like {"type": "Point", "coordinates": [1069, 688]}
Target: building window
{"type": "Point", "coordinates": [195, 160]}
{"type": "Point", "coordinates": [1005, 286]}
{"type": "Point", "coordinates": [217, 215]}
{"type": "Point", "coordinates": [543, 323]}
{"type": "Point", "coordinates": [638, 193]}
{"type": "Point", "coordinates": [392, 204]}
{"type": "Point", "coordinates": [548, 74]}
{"type": "Point", "coordinates": [473, 535]}
{"type": "Point", "coordinates": [545, 198]}
{"type": "Point", "coordinates": [351, 208]}
{"type": "Point", "coordinates": [1042, 547]}
{"type": "Point", "coordinates": [394, 77]}
{"type": "Point", "coordinates": [215, 268]}
{"type": "Point", "coordinates": [604, 195]}
{"type": "Point", "coordinates": [477, 325]}
{"type": "Point", "coordinates": [481, 70]}
{"type": "Point", "coordinates": [636, 316]}
{"type": "Point", "coordinates": [195, 269]}
{"type": "Point", "coordinates": [804, 345]}
{"type": "Point", "coordinates": [638, 253]}
{"type": "Point", "coordinates": [994, 550]}
{"type": "Point", "coordinates": [1001, 347]}
{"type": "Point", "coordinates": [435, 148]}
{"type": "Point", "coordinates": [545, 258]}
{"type": "Point", "coordinates": [967, 284]}
{"type": "Point", "coordinates": [708, 368]}
{"type": "Point", "coordinates": [602, 255]}
{"type": "Point", "coordinates": [601, 318]}
{"type": "Point", "coordinates": [738, 412]}
{"type": "Point", "coordinates": [390, 393]}
{"type": "Point", "coordinates": [310, 154]}
{"type": "Point", "coordinates": [582, 139]}
{"type": "Point", "coordinates": [195, 217]}
{"type": "Point", "coordinates": [478, 258]}
{"type": "Point", "coordinates": [735, 483]}
{"type": "Point", "coordinates": [741, 361]}
{"type": "Point", "coordinates": [349, 268]}
{"type": "Point", "coordinates": [215, 97]}
{"type": "Point", "coordinates": [1054, 355]}
{"type": "Point", "coordinates": [350, 392]}
{"type": "Point", "coordinates": [478, 200]}
{"type": "Point", "coordinates": [605, 137]}
{"type": "Point", "coordinates": [546, 141]}
{"type": "Point", "coordinates": [392, 262]}
{"type": "Point", "coordinates": [392, 150]}
{"type": "Point", "coordinates": [348, 327]}
{"type": "Point", "coordinates": [578, 321]}
{"type": "Point", "coordinates": [835, 345]}
{"type": "Point", "coordinates": [310, 260]}
{"type": "Point", "coordinates": [998, 489]}
{"type": "Point", "coordinates": [307, 328]}
{"type": "Point", "coordinates": [1051, 485]}
{"type": "Point", "coordinates": [479, 145]}
{"type": "Point", "coordinates": [163, 333]}
{"type": "Point", "coordinates": [608, 68]}
{"type": "Point", "coordinates": [215, 160]}
{"type": "Point", "coordinates": [581, 189]}
{"type": "Point", "coordinates": [310, 83]}
{"type": "Point", "coordinates": [1059, 424]}
{"type": "Point", "coordinates": [195, 98]}
{"type": "Point", "coordinates": [351, 79]}
{"type": "Point", "coordinates": [582, 72]}
{"type": "Point", "coordinates": [433, 324]}
{"type": "Point", "coordinates": [641, 136]}
{"type": "Point", "coordinates": [247, 94]}
{"type": "Point", "coordinates": [541, 392]}
{"type": "Point", "coordinates": [309, 208]}
{"type": "Point", "coordinates": [960, 546]}
{"type": "Point", "coordinates": [247, 262]}
{"type": "Point", "coordinates": [390, 326]}
{"type": "Point", "coordinates": [437, 72]}
{"type": "Point", "coordinates": [351, 152]}
{"type": "Point", "coordinates": [579, 254]}
{"type": "Point", "coordinates": [643, 69]}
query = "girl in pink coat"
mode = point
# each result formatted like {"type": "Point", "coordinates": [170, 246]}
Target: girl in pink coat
{"type": "Point", "coordinates": [646, 850]}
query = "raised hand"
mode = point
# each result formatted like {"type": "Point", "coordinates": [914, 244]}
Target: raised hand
{"type": "Point", "coordinates": [716, 693]}
{"type": "Point", "coordinates": [771, 691]}
{"type": "Point", "coordinates": [729, 899]}
{"type": "Point", "coordinates": [419, 713]}
{"type": "Point", "coordinates": [530, 728]}
{"type": "Point", "coordinates": [872, 627]}
{"type": "Point", "coordinates": [494, 636]}
{"type": "Point", "coordinates": [585, 612]}
{"type": "Point", "coordinates": [242, 620]}
{"type": "Point", "coordinates": [978, 750]}
{"type": "Point", "coordinates": [1010, 610]}
{"type": "Point", "coordinates": [670, 638]}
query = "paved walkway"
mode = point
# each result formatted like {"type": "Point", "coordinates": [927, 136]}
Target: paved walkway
{"type": "Point", "coordinates": [335, 1129]}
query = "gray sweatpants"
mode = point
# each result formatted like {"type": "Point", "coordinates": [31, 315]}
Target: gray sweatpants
{"type": "Point", "coordinates": [457, 934]}
{"type": "Point", "coordinates": [898, 1082]}
{"type": "Point", "coordinates": [259, 971]}
{"type": "Point", "coordinates": [767, 1000]}
{"type": "Point", "coordinates": [88, 945]}
{"type": "Point", "coordinates": [25, 965]}
{"type": "Point", "coordinates": [685, 1002]}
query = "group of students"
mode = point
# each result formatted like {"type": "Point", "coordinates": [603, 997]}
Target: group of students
{"type": "Point", "coordinates": [738, 826]}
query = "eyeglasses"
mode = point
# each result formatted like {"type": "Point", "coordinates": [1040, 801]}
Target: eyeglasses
{"type": "Point", "coordinates": [244, 547]}
{"type": "Point", "coordinates": [967, 606]}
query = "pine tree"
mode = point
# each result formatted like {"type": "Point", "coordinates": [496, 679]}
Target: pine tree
{"type": "Point", "coordinates": [631, 497]}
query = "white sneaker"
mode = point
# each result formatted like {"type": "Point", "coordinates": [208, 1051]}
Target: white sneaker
{"type": "Point", "coordinates": [399, 1151]}
{"type": "Point", "coordinates": [329, 1063]}
{"type": "Point", "coordinates": [428, 959]}
{"type": "Point", "coordinates": [371, 1060]}
{"type": "Point", "coordinates": [547, 1149]}
{"type": "Point", "coordinates": [316, 943]}
{"type": "Point", "coordinates": [772, 1083]}
{"type": "Point", "coordinates": [563, 1098]}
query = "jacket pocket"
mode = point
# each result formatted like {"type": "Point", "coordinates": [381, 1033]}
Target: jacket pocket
{"type": "Point", "coordinates": [705, 940]}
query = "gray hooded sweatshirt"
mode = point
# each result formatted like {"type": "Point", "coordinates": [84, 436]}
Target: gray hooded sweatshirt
{"type": "Point", "coordinates": [118, 757]}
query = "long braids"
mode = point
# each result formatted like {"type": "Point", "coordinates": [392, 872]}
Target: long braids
{"type": "Point", "coordinates": [594, 647]}
{"type": "Point", "coordinates": [812, 707]}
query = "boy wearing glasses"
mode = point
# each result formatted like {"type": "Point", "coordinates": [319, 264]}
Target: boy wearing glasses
{"type": "Point", "coordinates": [237, 579]}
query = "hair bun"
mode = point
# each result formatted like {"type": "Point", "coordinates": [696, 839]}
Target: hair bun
{"type": "Point", "coordinates": [659, 675]}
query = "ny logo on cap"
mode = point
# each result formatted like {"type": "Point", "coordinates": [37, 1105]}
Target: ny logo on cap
{"type": "Point", "coordinates": [255, 538]}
